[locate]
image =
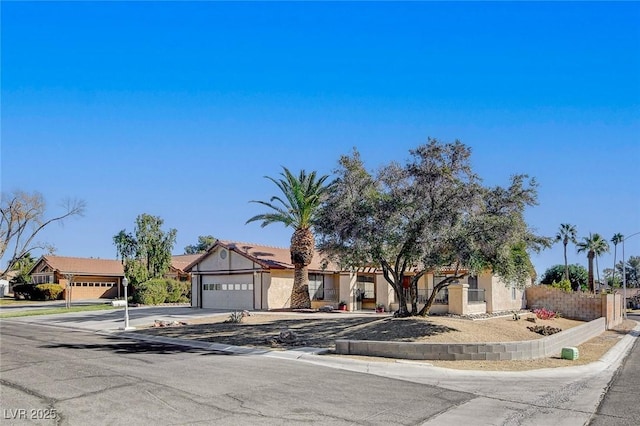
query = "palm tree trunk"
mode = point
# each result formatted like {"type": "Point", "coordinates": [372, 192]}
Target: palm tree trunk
{"type": "Point", "coordinates": [590, 257]}
{"type": "Point", "coordinates": [300, 293]}
{"type": "Point", "coordinates": [597, 270]}
{"type": "Point", "coordinates": [566, 265]}
{"type": "Point", "coordinates": [302, 248]}
{"type": "Point", "coordinates": [613, 271]}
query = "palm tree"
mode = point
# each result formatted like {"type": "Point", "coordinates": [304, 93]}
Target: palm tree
{"type": "Point", "coordinates": [617, 239]}
{"type": "Point", "coordinates": [600, 246]}
{"type": "Point", "coordinates": [565, 234]}
{"type": "Point", "coordinates": [302, 197]}
{"type": "Point", "coordinates": [594, 245]}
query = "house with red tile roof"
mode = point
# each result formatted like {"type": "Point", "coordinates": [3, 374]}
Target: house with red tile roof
{"type": "Point", "coordinates": [83, 278]}
{"type": "Point", "coordinates": [238, 276]}
{"type": "Point", "coordinates": [89, 278]}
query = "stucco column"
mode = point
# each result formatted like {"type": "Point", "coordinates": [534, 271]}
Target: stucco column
{"type": "Point", "coordinates": [458, 297]}
{"type": "Point", "coordinates": [345, 292]}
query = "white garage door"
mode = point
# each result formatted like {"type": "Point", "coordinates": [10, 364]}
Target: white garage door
{"type": "Point", "coordinates": [218, 293]}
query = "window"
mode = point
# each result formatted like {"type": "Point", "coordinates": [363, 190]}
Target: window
{"type": "Point", "coordinates": [513, 293]}
{"type": "Point", "coordinates": [367, 287]}
{"type": "Point", "coordinates": [473, 282]}
{"type": "Point", "coordinates": [316, 286]}
{"type": "Point", "coordinates": [228, 287]}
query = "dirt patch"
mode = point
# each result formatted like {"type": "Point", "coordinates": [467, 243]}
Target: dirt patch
{"type": "Point", "coordinates": [259, 330]}
{"type": "Point", "coordinates": [590, 351]}
{"type": "Point", "coordinates": [263, 329]}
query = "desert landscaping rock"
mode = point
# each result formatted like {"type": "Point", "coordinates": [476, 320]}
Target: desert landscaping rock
{"type": "Point", "coordinates": [262, 330]}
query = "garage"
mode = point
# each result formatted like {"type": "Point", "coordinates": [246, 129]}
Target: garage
{"type": "Point", "coordinates": [219, 293]}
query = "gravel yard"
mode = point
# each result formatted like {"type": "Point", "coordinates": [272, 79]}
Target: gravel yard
{"type": "Point", "coordinates": [321, 330]}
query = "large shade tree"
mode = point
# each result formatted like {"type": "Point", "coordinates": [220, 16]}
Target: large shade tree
{"type": "Point", "coordinates": [578, 276]}
{"type": "Point", "coordinates": [296, 207]}
{"type": "Point", "coordinates": [566, 233]}
{"type": "Point", "coordinates": [631, 271]}
{"type": "Point", "coordinates": [430, 213]}
{"type": "Point", "coordinates": [22, 218]}
{"type": "Point", "coordinates": [146, 253]}
{"type": "Point", "coordinates": [204, 243]}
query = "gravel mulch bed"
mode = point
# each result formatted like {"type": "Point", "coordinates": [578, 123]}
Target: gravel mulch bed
{"type": "Point", "coordinates": [263, 330]}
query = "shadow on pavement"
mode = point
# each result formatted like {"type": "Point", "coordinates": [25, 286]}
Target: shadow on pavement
{"type": "Point", "coordinates": [133, 347]}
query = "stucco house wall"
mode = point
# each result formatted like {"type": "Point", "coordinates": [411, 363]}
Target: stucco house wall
{"type": "Point", "coordinates": [500, 296]}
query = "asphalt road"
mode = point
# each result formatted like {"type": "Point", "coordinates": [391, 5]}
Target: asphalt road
{"type": "Point", "coordinates": [80, 372]}
{"type": "Point", "coordinates": [620, 405]}
{"type": "Point", "coordinates": [51, 375]}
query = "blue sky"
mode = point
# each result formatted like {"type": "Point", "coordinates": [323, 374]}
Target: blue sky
{"type": "Point", "coordinates": [180, 109]}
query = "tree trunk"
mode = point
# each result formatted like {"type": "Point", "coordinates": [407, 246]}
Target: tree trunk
{"type": "Point", "coordinates": [300, 293]}
{"type": "Point", "coordinates": [302, 248]}
{"type": "Point", "coordinates": [613, 271]}
{"type": "Point", "coordinates": [432, 297]}
{"type": "Point", "coordinates": [590, 256]}
{"type": "Point", "coordinates": [402, 300]}
{"type": "Point", "coordinates": [566, 264]}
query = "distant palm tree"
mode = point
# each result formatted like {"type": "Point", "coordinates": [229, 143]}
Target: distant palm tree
{"type": "Point", "coordinates": [594, 245]}
{"type": "Point", "coordinates": [600, 247]}
{"type": "Point", "coordinates": [566, 234]}
{"type": "Point", "coordinates": [302, 197]}
{"type": "Point", "coordinates": [617, 239]}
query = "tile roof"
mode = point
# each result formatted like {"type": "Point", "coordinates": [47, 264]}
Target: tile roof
{"type": "Point", "coordinates": [269, 256]}
{"type": "Point", "coordinates": [84, 265]}
{"type": "Point", "coordinates": [181, 261]}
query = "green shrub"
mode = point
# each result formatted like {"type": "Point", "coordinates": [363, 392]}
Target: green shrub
{"type": "Point", "coordinates": [564, 285]}
{"type": "Point", "coordinates": [37, 291]}
{"type": "Point", "coordinates": [48, 291]}
{"type": "Point", "coordinates": [178, 291]}
{"type": "Point", "coordinates": [24, 291]}
{"type": "Point", "coordinates": [152, 292]}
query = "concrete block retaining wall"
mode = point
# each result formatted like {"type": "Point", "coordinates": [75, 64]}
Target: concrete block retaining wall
{"type": "Point", "coordinates": [528, 349]}
{"type": "Point", "coordinates": [577, 305]}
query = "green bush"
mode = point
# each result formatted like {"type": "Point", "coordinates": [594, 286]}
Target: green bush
{"type": "Point", "coordinates": [37, 292]}
{"type": "Point", "coordinates": [152, 292]}
{"type": "Point", "coordinates": [24, 291]}
{"type": "Point", "coordinates": [160, 290]}
{"type": "Point", "coordinates": [48, 291]}
{"type": "Point", "coordinates": [564, 285]}
{"type": "Point", "coordinates": [178, 291]}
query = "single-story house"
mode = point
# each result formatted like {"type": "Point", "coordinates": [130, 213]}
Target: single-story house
{"type": "Point", "coordinates": [89, 278]}
{"type": "Point", "coordinates": [95, 278]}
{"type": "Point", "coordinates": [179, 263]}
{"type": "Point", "coordinates": [234, 275]}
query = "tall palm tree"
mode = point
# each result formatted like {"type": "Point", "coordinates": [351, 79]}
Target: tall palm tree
{"type": "Point", "coordinates": [566, 233]}
{"type": "Point", "coordinates": [302, 197]}
{"type": "Point", "coordinates": [594, 245]}
{"type": "Point", "coordinates": [600, 246]}
{"type": "Point", "coordinates": [617, 239]}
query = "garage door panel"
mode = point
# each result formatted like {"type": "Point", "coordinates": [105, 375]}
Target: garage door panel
{"type": "Point", "coordinates": [227, 292]}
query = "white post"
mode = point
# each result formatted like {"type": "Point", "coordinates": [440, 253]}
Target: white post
{"type": "Point", "coordinates": [125, 284]}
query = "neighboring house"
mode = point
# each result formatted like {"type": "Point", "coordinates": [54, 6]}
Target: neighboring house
{"type": "Point", "coordinates": [179, 263]}
{"type": "Point", "coordinates": [89, 278]}
{"type": "Point", "coordinates": [233, 275]}
{"type": "Point", "coordinates": [95, 278]}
